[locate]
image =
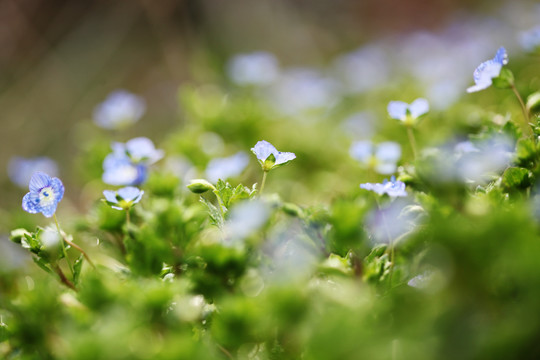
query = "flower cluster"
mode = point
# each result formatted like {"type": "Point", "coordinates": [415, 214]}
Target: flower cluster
{"type": "Point", "coordinates": [128, 163]}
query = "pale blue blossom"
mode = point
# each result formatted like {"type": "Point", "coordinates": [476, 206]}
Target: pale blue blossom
{"type": "Point", "coordinates": [257, 68]}
{"type": "Point", "coordinates": [392, 188]}
{"type": "Point", "coordinates": [408, 113]}
{"type": "Point", "coordinates": [124, 198]}
{"type": "Point", "coordinates": [393, 222]}
{"type": "Point", "coordinates": [120, 109]}
{"type": "Point", "coordinates": [530, 40]}
{"type": "Point", "coordinates": [128, 163]}
{"type": "Point", "coordinates": [263, 151]}
{"type": "Point", "coordinates": [228, 167]}
{"type": "Point", "coordinates": [382, 157]}
{"type": "Point", "coordinates": [44, 196]}
{"type": "Point", "coordinates": [20, 170]}
{"type": "Point", "coordinates": [488, 70]}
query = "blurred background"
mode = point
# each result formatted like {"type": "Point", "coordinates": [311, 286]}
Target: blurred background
{"type": "Point", "coordinates": [59, 59]}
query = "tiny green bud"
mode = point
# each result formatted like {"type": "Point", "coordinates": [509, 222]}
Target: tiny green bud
{"type": "Point", "coordinates": [200, 186]}
{"type": "Point", "coordinates": [18, 235]}
{"type": "Point", "coordinates": [533, 102]}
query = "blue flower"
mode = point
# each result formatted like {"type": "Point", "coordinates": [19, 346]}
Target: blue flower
{"type": "Point", "coordinates": [257, 68]}
{"type": "Point", "coordinates": [128, 163]}
{"type": "Point", "coordinates": [488, 70]}
{"type": "Point", "coordinates": [124, 198]}
{"type": "Point", "coordinates": [530, 40]}
{"type": "Point", "coordinates": [400, 110]}
{"type": "Point", "coordinates": [392, 188]}
{"type": "Point", "coordinates": [20, 170]}
{"type": "Point", "coordinates": [269, 157]}
{"type": "Point", "coordinates": [224, 168]}
{"type": "Point", "coordinates": [382, 157]}
{"type": "Point", "coordinates": [120, 109]}
{"type": "Point", "coordinates": [44, 196]}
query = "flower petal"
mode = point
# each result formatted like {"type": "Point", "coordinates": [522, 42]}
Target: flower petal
{"type": "Point", "coordinates": [361, 150]}
{"type": "Point", "coordinates": [388, 151]}
{"type": "Point", "coordinates": [263, 149]}
{"type": "Point", "coordinates": [284, 157]}
{"type": "Point", "coordinates": [58, 189]}
{"type": "Point", "coordinates": [397, 109]}
{"type": "Point", "coordinates": [419, 107]}
{"type": "Point", "coordinates": [38, 181]}
{"type": "Point", "coordinates": [129, 193]}
{"type": "Point", "coordinates": [501, 57]}
{"type": "Point", "coordinates": [30, 203]}
{"type": "Point", "coordinates": [110, 196]}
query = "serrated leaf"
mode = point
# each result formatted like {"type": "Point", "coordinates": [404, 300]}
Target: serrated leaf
{"type": "Point", "coordinates": [215, 215]}
{"type": "Point", "coordinates": [42, 263]}
{"type": "Point", "coordinates": [515, 178]}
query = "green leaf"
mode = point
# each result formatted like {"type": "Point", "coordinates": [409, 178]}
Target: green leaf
{"type": "Point", "coordinates": [215, 214]}
{"type": "Point", "coordinates": [516, 178]}
{"type": "Point", "coordinates": [42, 263]}
{"type": "Point", "coordinates": [526, 150]}
{"type": "Point", "coordinates": [200, 186]}
{"type": "Point", "coordinates": [505, 80]}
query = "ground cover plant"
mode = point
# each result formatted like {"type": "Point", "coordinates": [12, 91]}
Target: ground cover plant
{"type": "Point", "coordinates": [408, 232]}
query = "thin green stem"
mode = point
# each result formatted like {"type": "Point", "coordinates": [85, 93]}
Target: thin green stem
{"type": "Point", "coordinates": [63, 277]}
{"type": "Point", "coordinates": [72, 244]}
{"type": "Point", "coordinates": [412, 141]}
{"type": "Point", "coordinates": [263, 181]}
{"type": "Point", "coordinates": [127, 220]}
{"type": "Point", "coordinates": [525, 125]}
{"type": "Point", "coordinates": [390, 243]}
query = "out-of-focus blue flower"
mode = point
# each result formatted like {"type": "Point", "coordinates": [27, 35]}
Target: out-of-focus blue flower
{"type": "Point", "coordinates": [488, 70]}
{"type": "Point", "coordinates": [20, 170]}
{"type": "Point", "coordinates": [530, 40]}
{"type": "Point", "coordinates": [257, 68]}
{"type": "Point", "coordinates": [392, 188]}
{"type": "Point", "coordinates": [224, 168]}
{"type": "Point", "coordinates": [400, 110]}
{"type": "Point", "coordinates": [363, 69]}
{"type": "Point", "coordinates": [44, 196]}
{"type": "Point", "coordinates": [382, 157]}
{"type": "Point", "coordinates": [124, 198]}
{"type": "Point", "coordinates": [120, 109]}
{"type": "Point", "coordinates": [128, 163]}
{"type": "Point", "coordinates": [301, 90]}
{"type": "Point", "coordinates": [394, 222]}
{"type": "Point", "coordinates": [263, 149]}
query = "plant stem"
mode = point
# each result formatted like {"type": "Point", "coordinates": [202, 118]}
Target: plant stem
{"type": "Point", "coordinates": [63, 277]}
{"type": "Point", "coordinates": [526, 126]}
{"type": "Point", "coordinates": [390, 243]}
{"type": "Point", "coordinates": [412, 141]}
{"type": "Point", "coordinates": [127, 220]}
{"type": "Point", "coordinates": [71, 243]}
{"type": "Point", "coordinates": [263, 181]}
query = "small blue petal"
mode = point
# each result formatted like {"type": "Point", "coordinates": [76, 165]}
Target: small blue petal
{"type": "Point", "coordinates": [129, 193]}
{"type": "Point", "coordinates": [38, 181]}
{"type": "Point", "coordinates": [143, 149]}
{"type": "Point", "coordinates": [263, 149]}
{"type": "Point", "coordinates": [397, 110]}
{"type": "Point", "coordinates": [361, 150]}
{"type": "Point", "coordinates": [284, 157]}
{"type": "Point", "coordinates": [58, 189]}
{"type": "Point", "coordinates": [110, 196]}
{"type": "Point", "coordinates": [388, 151]}
{"type": "Point", "coordinates": [419, 107]}
{"type": "Point", "coordinates": [30, 203]}
{"type": "Point", "coordinates": [49, 210]}
{"type": "Point", "coordinates": [501, 57]}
